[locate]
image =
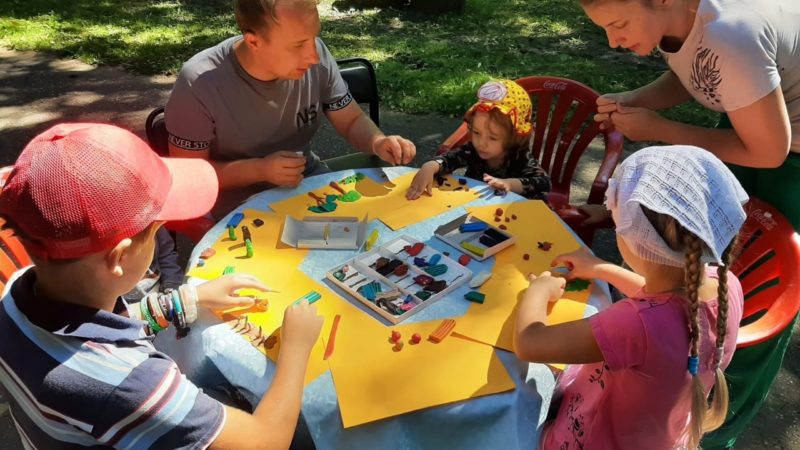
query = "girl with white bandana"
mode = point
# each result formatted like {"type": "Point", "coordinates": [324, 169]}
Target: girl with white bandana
{"type": "Point", "coordinates": [643, 370]}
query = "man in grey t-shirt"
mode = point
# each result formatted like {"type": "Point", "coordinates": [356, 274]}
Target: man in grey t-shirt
{"type": "Point", "coordinates": [252, 103]}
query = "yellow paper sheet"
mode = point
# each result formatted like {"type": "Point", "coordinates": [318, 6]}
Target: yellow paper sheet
{"type": "Point", "coordinates": [274, 264]}
{"type": "Point", "coordinates": [418, 376]}
{"type": "Point", "coordinates": [406, 212]}
{"type": "Point", "coordinates": [373, 201]}
{"type": "Point", "coordinates": [493, 321]}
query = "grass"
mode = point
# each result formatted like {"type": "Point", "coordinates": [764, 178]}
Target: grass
{"type": "Point", "coordinates": [424, 63]}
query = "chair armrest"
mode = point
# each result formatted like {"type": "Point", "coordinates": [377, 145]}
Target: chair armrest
{"type": "Point", "coordinates": [457, 139]}
{"type": "Point", "coordinates": [613, 145]}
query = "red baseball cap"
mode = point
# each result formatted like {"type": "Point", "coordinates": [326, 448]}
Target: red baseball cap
{"type": "Point", "coordinates": [79, 188]}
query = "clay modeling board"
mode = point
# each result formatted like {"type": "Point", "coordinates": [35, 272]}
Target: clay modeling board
{"type": "Point", "coordinates": [340, 233]}
{"type": "Point", "coordinates": [475, 237]}
{"type": "Point", "coordinates": [400, 278]}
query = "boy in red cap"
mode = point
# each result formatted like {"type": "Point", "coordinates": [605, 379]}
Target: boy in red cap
{"type": "Point", "coordinates": [79, 370]}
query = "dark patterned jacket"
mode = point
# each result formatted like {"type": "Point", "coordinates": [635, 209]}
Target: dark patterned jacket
{"type": "Point", "coordinates": [535, 181]}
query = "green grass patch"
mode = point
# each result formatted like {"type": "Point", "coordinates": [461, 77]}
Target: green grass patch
{"type": "Point", "coordinates": [425, 63]}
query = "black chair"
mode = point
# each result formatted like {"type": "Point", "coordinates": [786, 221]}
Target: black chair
{"type": "Point", "coordinates": [156, 131]}
{"type": "Point", "coordinates": [359, 74]}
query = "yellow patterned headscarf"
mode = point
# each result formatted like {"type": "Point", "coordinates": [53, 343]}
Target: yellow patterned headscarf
{"type": "Point", "coordinates": [510, 99]}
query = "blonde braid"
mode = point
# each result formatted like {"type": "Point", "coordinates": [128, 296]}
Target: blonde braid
{"type": "Point", "coordinates": [719, 402]}
{"type": "Point", "coordinates": [692, 274]}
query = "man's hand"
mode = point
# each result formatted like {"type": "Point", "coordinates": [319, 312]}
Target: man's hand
{"type": "Point", "coordinates": [284, 168]}
{"type": "Point", "coordinates": [395, 150]}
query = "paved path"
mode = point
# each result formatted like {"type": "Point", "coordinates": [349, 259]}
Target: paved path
{"type": "Point", "coordinates": [38, 90]}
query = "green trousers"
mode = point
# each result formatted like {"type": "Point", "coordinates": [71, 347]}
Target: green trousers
{"type": "Point", "coordinates": [753, 369]}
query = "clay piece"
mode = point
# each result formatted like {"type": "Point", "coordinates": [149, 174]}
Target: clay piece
{"type": "Point", "coordinates": [576, 285]}
{"type": "Point", "coordinates": [478, 280]}
{"type": "Point", "coordinates": [475, 296]}
{"type": "Point", "coordinates": [442, 331]}
{"type": "Point", "coordinates": [413, 250]}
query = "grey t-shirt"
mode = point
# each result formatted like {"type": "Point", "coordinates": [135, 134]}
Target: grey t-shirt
{"type": "Point", "coordinates": [216, 104]}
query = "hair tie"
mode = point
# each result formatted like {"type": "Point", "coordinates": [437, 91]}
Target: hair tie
{"type": "Point", "coordinates": [694, 363]}
{"type": "Point", "coordinates": [718, 356]}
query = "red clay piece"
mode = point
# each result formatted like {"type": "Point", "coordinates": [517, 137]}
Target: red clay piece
{"type": "Point", "coordinates": [464, 260]}
{"type": "Point", "coordinates": [413, 250]}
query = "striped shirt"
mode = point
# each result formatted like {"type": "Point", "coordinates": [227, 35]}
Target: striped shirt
{"type": "Point", "coordinates": [77, 377]}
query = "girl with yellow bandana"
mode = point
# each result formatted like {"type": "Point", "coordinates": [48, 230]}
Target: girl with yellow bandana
{"type": "Point", "coordinates": [498, 151]}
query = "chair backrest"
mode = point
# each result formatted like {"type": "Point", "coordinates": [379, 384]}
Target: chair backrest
{"type": "Point", "coordinates": [359, 74]}
{"type": "Point", "coordinates": [12, 255]}
{"type": "Point", "coordinates": [156, 131]}
{"type": "Point", "coordinates": [564, 126]}
{"type": "Point", "coordinates": [767, 262]}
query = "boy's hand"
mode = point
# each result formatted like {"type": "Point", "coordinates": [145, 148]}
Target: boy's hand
{"type": "Point", "coordinates": [221, 293]}
{"type": "Point", "coordinates": [423, 181]}
{"type": "Point", "coordinates": [546, 283]}
{"type": "Point", "coordinates": [301, 327]}
{"type": "Point", "coordinates": [284, 168]}
{"type": "Point", "coordinates": [497, 183]}
{"type": "Point", "coordinates": [581, 264]}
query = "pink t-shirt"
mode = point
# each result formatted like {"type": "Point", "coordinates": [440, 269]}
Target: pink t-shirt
{"type": "Point", "coordinates": [640, 396]}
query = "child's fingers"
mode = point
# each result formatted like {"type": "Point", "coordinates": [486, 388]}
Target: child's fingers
{"type": "Point", "coordinates": [247, 281]}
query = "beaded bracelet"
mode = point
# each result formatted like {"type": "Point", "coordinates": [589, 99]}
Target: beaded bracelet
{"type": "Point", "coordinates": [149, 317]}
{"type": "Point", "coordinates": [188, 294]}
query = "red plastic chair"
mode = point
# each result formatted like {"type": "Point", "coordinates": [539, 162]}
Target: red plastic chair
{"type": "Point", "coordinates": [12, 255]}
{"type": "Point", "coordinates": [564, 126]}
{"type": "Point", "coordinates": [767, 262]}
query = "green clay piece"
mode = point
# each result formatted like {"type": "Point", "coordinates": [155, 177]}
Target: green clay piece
{"type": "Point", "coordinates": [350, 196]}
{"type": "Point", "coordinates": [228, 270]}
{"type": "Point", "coordinates": [423, 295]}
{"type": "Point", "coordinates": [469, 246]}
{"type": "Point", "coordinates": [576, 285]}
{"type": "Point", "coordinates": [248, 244]}
{"type": "Point", "coordinates": [475, 296]}
{"type": "Point", "coordinates": [232, 233]}
{"type": "Point", "coordinates": [436, 270]}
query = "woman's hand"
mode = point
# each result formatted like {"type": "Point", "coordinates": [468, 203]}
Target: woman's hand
{"type": "Point", "coordinates": [580, 263]}
{"type": "Point", "coordinates": [220, 294]}
{"type": "Point", "coordinates": [423, 180]}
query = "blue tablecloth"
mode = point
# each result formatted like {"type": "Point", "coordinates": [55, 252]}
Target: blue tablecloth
{"type": "Point", "coordinates": [506, 421]}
